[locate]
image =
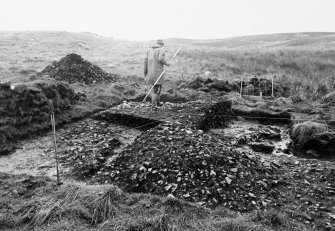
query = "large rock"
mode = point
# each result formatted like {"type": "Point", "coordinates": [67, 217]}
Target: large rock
{"type": "Point", "coordinates": [263, 147]}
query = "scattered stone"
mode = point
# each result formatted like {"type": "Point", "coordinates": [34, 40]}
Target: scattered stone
{"type": "Point", "coordinates": [233, 170]}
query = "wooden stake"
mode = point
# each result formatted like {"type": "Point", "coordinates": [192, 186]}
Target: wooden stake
{"type": "Point", "coordinates": [272, 88]}
{"type": "Point", "coordinates": [53, 124]}
{"type": "Point", "coordinates": [241, 86]}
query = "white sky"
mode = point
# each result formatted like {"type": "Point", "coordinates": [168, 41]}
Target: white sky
{"type": "Point", "coordinates": [152, 19]}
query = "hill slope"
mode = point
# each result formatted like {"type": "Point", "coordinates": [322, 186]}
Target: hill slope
{"type": "Point", "coordinates": [305, 60]}
{"type": "Point", "coordinates": [23, 53]}
{"type": "Point", "coordinates": [306, 40]}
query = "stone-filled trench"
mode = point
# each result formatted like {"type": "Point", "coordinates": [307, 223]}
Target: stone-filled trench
{"type": "Point", "coordinates": [100, 138]}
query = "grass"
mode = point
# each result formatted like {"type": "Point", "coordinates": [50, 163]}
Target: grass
{"type": "Point", "coordinates": [304, 61]}
{"type": "Point", "coordinates": [104, 206]}
{"type": "Point", "coordinates": [76, 206]}
{"type": "Point", "coordinates": [307, 72]}
{"type": "Point", "coordinates": [302, 132]}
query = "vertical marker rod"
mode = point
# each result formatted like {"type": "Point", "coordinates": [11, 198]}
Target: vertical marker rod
{"type": "Point", "coordinates": [241, 87]}
{"type": "Point", "coordinates": [272, 88]}
{"type": "Point", "coordinates": [55, 144]}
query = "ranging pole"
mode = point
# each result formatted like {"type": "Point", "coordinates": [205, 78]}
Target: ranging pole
{"type": "Point", "coordinates": [272, 88]}
{"type": "Point", "coordinates": [53, 124]}
{"type": "Point", "coordinates": [241, 86]}
{"type": "Point", "coordinates": [161, 75]}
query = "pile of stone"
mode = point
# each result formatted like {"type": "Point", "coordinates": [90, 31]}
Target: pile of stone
{"type": "Point", "coordinates": [190, 164]}
{"type": "Point", "coordinates": [24, 105]}
{"type": "Point", "coordinates": [73, 68]}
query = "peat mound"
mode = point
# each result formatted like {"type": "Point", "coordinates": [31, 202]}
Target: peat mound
{"type": "Point", "coordinates": [210, 85]}
{"type": "Point", "coordinates": [251, 87]}
{"type": "Point", "coordinates": [23, 106]}
{"type": "Point", "coordinates": [190, 164]}
{"type": "Point", "coordinates": [73, 68]}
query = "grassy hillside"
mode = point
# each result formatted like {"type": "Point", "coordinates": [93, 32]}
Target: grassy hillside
{"type": "Point", "coordinates": [310, 73]}
{"type": "Point", "coordinates": [305, 61]}
{"type": "Point", "coordinates": [23, 53]}
{"type": "Point", "coordinates": [309, 41]}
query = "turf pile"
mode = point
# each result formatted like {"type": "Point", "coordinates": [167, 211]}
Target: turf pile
{"type": "Point", "coordinates": [73, 68]}
{"type": "Point", "coordinates": [25, 106]}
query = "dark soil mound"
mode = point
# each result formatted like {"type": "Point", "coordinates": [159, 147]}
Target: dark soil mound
{"type": "Point", "coordinates": [252, 87]}
{"type": "Point", "coordinates": [263, 85]}
{"type": "Point", "coordinates": [210, 85]}
{"type": "Point", "coordinates": [73, 68]}
{"type": "Point", "coordinates": [217, 115]}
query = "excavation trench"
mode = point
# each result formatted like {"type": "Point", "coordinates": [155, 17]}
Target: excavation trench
{"type": "Point", "coordinates": [89, 145]}
{"type": "Point", "coordinates": [128, 120]}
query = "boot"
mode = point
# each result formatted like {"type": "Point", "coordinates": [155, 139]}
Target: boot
{"type": "Point", "coordinates": [154, 99]}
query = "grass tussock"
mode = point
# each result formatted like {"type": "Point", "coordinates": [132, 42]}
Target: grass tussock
{"type": "Point", "coordinates": [71, 202]}
{"type": "Point", "coordinates": [106, 207]}
{"type": "Point", "coordinates": [302, 132]}
{"type": "Point", "coordinates": [42, 212]}
{"type": "Point", "coordinates": [277, 220]}
{"type": "Point", "coordinates": [154, 223]}
{"type": "Point", "coordinates": [173, 205]}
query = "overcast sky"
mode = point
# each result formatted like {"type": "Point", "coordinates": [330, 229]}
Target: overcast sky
{"type": "Point", "coordinates": [152, 19]}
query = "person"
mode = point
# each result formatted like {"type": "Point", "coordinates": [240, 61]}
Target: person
{"type": "Point", "coordinates": [154, 63]}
